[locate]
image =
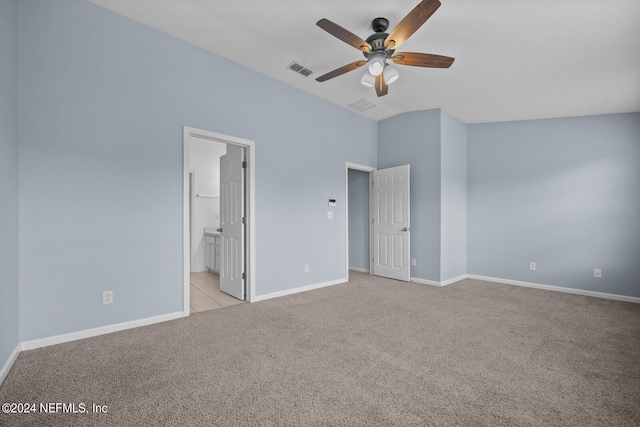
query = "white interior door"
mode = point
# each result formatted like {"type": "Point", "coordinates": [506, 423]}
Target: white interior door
{"type": "Point", "coordinates": [391, 223]}
{"type": "Point", "coordinates": [232, 222]}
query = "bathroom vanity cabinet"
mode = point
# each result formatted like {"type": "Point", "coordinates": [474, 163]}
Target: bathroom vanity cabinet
{"type": "Point", "coordinates": [212, 251]}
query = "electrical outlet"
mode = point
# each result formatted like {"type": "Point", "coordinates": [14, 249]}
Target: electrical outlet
{"type": "Point", "coordinates": [532, 266]}
{"type": "Point", "coordinates": [306, 268]}
{"type": "Point", "coordinates": [597, 272]}
{"type": "Point", "coordinates": [107, 297]}
{"type": "Point", "coordinates": [413, 262]}
{"type": "Point", "coordinates": [330, 214]}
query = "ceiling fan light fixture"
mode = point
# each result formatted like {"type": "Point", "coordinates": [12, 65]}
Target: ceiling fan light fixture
{"type": "Point", "coordinates": [379, 47]}
{"type": "Point", "coordinates": [390, 74]}
{"type": "Point", "coordinates": [368, 79]}
{"type": "Point", "coordinates": [376, 63]}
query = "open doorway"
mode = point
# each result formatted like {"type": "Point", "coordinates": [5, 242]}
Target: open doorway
{"type": "Point", "coordinates": [204, 234]}
{"type": "Point", "coordinates": [218, 236]}
{"type": "Point", "coordinates": [358, 206]}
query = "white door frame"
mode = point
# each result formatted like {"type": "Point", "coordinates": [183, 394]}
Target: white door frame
{"type": "Point", "coordinates": [363, 168]}
{"type": "Point", "coordinates": [250, 236]}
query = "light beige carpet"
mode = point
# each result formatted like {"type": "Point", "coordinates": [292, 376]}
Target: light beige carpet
{"type": "Point", "coordinates": [366, 353]}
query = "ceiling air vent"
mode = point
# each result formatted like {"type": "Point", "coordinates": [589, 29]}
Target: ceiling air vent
{"type": "Point", "coordinates": [362, 105]}
{"type": "Point", "coordinates": [299, 69]}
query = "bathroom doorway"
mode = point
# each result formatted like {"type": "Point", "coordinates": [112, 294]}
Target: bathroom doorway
{"type": "Point", "coordinates": [218, 233]}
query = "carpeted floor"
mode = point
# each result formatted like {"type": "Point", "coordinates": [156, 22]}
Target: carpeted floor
{"type": "Point", "coordinates": [371, 352]}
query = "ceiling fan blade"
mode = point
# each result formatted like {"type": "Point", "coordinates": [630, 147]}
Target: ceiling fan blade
{"type": "Point", "coordinates": [340, 71]}
{"type": "Point", "coordinates": [422, 60]}
{"type": "Point", "coordinates": [411, 23]}
{"type": "Point", "coordinates": [381, 85]}
{"type": "Point", "coordinates": [345, 35]}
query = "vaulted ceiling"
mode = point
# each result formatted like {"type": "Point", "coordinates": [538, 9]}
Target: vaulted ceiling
{"type": "Point", "coordinates": [514, 59]}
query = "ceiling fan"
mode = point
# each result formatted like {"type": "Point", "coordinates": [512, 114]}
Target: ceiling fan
{"type": "Point", "coordinates": [381, 46]}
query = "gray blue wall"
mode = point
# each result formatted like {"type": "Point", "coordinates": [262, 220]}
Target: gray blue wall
{"type": "Point", "coordinates": [359, 234]}
{"type": "Point", "coordinates": [564, 193]}
{"type": "Point", "coordinates": [9, 285]}
{"type": "Point", "coordinates": [434, 143]}
{"type": "Point", "coordinates": [103, 102]}
{"type": "Point", "coordinates": [414, 139]}
{"type": "Point", "coordinates": [453, 246]}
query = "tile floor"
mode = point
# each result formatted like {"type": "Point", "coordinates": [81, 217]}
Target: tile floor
{"type": "Point", "coordinates": [206, 293]}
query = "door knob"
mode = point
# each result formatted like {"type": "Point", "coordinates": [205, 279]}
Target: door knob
{"type": "Point", "coordinates": [406, 229]}
{"type": "Point", "coordinates": [219, 230]}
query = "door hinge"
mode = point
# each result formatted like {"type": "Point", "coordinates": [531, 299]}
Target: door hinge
{"type": "Point", "coordinates": [244, 220]}
{"type": "Point", "coordinates": [244, 276]}
{"type": "Point", "coordinates": [244, 164]}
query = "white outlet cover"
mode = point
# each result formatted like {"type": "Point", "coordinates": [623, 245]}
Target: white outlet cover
{"type": "Point", "coordinates": [597, 272]}
{"type": "Point", "coordinates": [330, 214]}
{"type": "Point", "coordinates": [532, 266]}
{"type": "Point", "coordinates": [107, 297]}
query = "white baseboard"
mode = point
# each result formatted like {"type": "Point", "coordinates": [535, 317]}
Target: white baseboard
{"type": "Point", "coordinates": [298, 290]}
{"type": "Point", "coordinates": [9, 363]}
{"type": "Point", "coordinates": [361, 270]}
{"type": "Point", "coordinates": [425, 281]}
{"type": "Point", "coordinates": [440, 284]}
{"type": "Point", "coordinates": [557, 288]}
{"type": "Point", "coordinates": [454, 280]}
{"type": "Point", "coordinates": [87, 333]}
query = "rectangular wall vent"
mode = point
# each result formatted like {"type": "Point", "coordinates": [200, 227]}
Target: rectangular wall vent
{"type": "Point", "coordinates": [294, 66]}
{"type": "Point", "coordinates": [362, 105]}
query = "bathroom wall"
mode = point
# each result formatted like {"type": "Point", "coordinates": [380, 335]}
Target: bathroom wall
{"type": "Point", "coordinates": [204, 163]}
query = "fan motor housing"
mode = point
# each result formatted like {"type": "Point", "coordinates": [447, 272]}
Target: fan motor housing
{"type": "Point", "coordinates": [377, 45]}
{"type": "Point", "coordinates": [376, 40]}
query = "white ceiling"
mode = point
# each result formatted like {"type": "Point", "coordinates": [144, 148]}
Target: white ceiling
{"type": "Point", "coordinates": [515, 59]}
